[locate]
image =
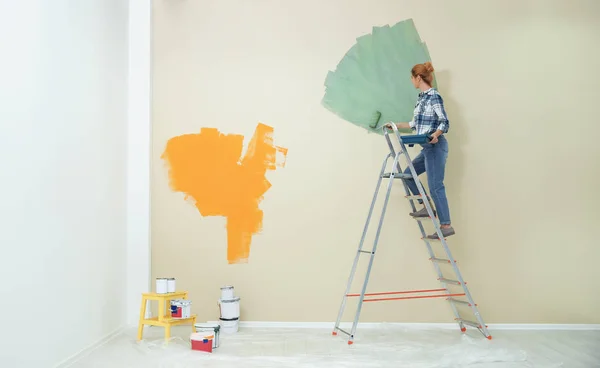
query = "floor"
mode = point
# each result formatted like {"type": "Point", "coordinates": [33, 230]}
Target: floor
{"type": "Point", "coordinates": [385, 347]}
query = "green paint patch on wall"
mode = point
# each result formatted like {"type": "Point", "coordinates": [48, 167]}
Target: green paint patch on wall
{"type": "Point", "coordinates": [371, 84]}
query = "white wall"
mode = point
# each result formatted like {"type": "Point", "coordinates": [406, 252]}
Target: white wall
{"type": "Point", "coordinates": [517, 83]}
{"type": "Point", "coordinates": [138, 156]}
{"type": "Point", "coordinates": [63, 115]}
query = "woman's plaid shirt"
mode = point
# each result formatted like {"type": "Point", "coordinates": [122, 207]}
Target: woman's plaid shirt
{"type": "Point", "coordinates": [429, 114]}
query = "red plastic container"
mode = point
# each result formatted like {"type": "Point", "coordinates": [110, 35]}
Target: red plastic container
{"type": "Point", "coordinates": [202, 342]}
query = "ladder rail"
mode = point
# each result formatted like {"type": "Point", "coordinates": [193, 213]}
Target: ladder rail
{"type": "Point", "coordinates": [361, 244]}
{"type": "Point", "coordinates": [455, 268]}
{"type": "Point", "coordinates": [473, 307]}
{"type": "Point", "coordinates": [436, 266]}
{"type": "Point", "coordinates": [374, 249]}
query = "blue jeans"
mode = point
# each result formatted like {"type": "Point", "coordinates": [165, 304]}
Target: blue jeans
{"type": "Point", "coordinates": [432, 159]}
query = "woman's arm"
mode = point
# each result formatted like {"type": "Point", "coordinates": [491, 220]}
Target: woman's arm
{"type": "Point", "coordinates": [403, 126]}
{"type": "Point", "coordinates": [438, 107]}
{"type": "Point", "coordinates": [400, 125]}
{"type": "Point", "coordinates": [437, 133]}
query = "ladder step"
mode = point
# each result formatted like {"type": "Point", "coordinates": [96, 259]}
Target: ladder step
{"type": "Point", "coordinates": [460, 301]}
{"type": "Point", "coordinates": [397, 176]}
{"type": "Point", "coordinates": [448, 281]}
{"type": "Point", "coordinates": [366, 251]}
{"type": "Point", "coordinates": [414, 197]}
{"type": "Point", "coordinates": [424, 219]}
{"type": "Point", "coordinates": [469, 323]}
{"type": "Point", "coordinates": [436, 240]}
{"type": "Point", "coordinates": [441, 260]}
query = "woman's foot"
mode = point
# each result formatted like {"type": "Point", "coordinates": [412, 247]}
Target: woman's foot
{"type": "Point", "coordinates": [422, 213]}
{"type": "Point", "coordinates": [447, 231]}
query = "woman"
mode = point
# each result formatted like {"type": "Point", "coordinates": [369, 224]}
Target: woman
{"type": "Point", "coordinates": [430, 118]}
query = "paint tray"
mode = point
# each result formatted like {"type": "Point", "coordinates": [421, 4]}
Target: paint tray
{"type": "Point", "coordinates": [413, 139]}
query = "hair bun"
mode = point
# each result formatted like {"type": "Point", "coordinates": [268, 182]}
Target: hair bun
{"type": "Point", "coordinates": [428, 67]}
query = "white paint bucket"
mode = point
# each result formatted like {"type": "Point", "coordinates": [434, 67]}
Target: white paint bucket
{"type": "Point", "coordinates": [230, 326]}
{"type": "Point", "coordinates": [161, 286]}
{"type": "Point", "coordinates": [213, 328]}
{"type": "Point", "coordinates": [227, 292]}
{"type": "Point", "coordinates": [230, 308]}
{"type": "Point", "coordinates": [171, 285]}
{"type": "Point", "coordinates": [181, 308]}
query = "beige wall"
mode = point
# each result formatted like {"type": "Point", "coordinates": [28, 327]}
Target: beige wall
{"type": "Point", "coordinates": [520, 82]}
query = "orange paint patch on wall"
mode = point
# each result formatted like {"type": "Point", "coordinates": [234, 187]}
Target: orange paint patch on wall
{"type": "Point", "coordinates": [206, 167]}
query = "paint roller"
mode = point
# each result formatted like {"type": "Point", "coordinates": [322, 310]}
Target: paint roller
{"type": "Point", "coordinates": [375, 120]}
{"type": "Point", "coordinates": [410, 140]}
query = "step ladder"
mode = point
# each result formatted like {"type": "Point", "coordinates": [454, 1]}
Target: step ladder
{"type": "Point", "coordinates": [456, 299]}
{"type": "Point", "coordinates": [164, 318]}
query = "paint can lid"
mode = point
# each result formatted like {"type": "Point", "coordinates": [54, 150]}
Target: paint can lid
{"type": "Point", "coordinates": [199, 336]}
{"type": "Point", "coordinates": [226, 287]}
{"type": "Point", "coordinates": [236, 299]}
{"type": "Point", "coordinates": [170, 278]}
{"type": "Point", "coordinates": [213, 326]}
{"type": "Point", "coordinates": [161, 278]}
{"type": "Point", "coordinates": [181, 302]}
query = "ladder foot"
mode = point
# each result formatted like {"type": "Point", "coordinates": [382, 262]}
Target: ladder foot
{"type": "Point", "coordinates": [489, 337]}
{"type": "Point", "coordinates": [464, 329]}
{"type": "Point", "coordinates": [350, 342]}
{"type": "Point", "coordinates": [334, 333]}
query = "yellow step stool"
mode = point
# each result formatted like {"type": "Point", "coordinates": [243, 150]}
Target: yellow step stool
{"type": "Point", "coordinates": [164, 318]}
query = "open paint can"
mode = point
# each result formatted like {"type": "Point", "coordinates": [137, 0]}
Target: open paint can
{"type": "Point", "coordinates": [171, 285]}
{"type": "Point", "coordinates": [227, 292]}
{"type": "Point", "coordinates": [229, 326]}
{"type": "Point", "coordinates": [181, 308]}
{"type": "Point", "coordinates": [162, 286]}
{"type": "Point", "coordinates": [213, 328]}
{"type": "Point", "coordinates": [230, 308]}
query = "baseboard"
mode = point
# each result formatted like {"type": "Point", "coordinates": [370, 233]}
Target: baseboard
{"type": "Point", "coordinates": [344, 325]}
{"type": "Point", "coordinates": [372, 325]}
{"type": "Point", "coordinates": [545, 326]}
{"type": "Point", "coordinates": [87, 350]}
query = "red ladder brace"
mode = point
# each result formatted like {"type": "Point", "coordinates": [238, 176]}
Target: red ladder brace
{"type": "Point", "coordinates": [407, 297]}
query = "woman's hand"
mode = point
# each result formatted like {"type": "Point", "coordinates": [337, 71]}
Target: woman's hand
{"type": "Point", "coordinates": [434, 136]}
